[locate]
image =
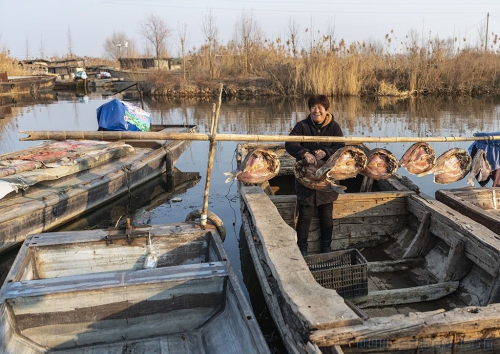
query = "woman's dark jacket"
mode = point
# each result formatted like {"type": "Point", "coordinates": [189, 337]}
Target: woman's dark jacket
{"type": "Point", "coordinates": [306, 127]}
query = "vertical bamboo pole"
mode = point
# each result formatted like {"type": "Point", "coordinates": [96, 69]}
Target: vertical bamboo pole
{"type": "Point", "coordinates": [211, 153]}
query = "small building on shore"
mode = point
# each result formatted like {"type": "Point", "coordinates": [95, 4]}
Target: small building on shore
{"type": "Point", "coordinates": [66, 69]}
{"type": "Point", "coordinates": [150, 63]}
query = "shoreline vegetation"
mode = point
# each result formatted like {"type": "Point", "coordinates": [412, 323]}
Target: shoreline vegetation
{"type": "Point", "coordinates": [267, 69]}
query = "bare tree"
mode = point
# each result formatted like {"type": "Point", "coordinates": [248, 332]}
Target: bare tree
{"type": "Point", "coordinates": [311, 41]}
{"type": "Point", "coordinates": [293, 30]}
{"type": "Point", "coordinates": [70, 43]}
{"type": "Point", "coordinates": [27, 47]}
{"type": "Point", "coordinates": [156, 32]}
{"type": "Point", "coordinates": [42, 48]}
{"type": "Point", "coordinates": [118, 45]}
{"type": "Point", "coordinates": [182, 32]}
{"type": "Point", "coordinates": [211, 32]}
{"type": "Point", "coordinates": [248, 34]}
{"type": "Point", "coordinates": [330, 35]}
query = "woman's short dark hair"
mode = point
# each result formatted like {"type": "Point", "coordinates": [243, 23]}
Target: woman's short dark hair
{"type": "Point", "coordinates": [319, 99]}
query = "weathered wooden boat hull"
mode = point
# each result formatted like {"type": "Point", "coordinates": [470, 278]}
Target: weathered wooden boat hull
{"type": "Point", "coordinates": [49, 204]}
{"type": "Point", "coordinates": [32, 84]}
{"type": "Point", "coordinates": [88, 292]}
{"type": "Point", "coordinates": [479, 204]}
{"type": "Point", "coordinates": [433, 282]}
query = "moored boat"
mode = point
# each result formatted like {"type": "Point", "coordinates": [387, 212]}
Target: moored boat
{"type": "Point", "coordinates": [481, 204]}
{"type": "Point", "coordinates": [149, 289]}
{"type": "Point", "coordinates": [27, 84]}
{"type": "Point", "coordinates": [411, 274]}
{"type": "Point", "coordinates": [56, 184]}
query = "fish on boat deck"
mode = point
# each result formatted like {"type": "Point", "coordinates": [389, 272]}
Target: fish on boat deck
{"type": "Point", "coordinates": [481, 168]}
{"type": "Point", "coordinates": [306, 175]}
{"type": "Point", "coordinates": [259, 165]}
{"type": "Point", "coordinates": [419, 159]}
{"type": "Point", "coordinates": [346, 162]}
{"type": "Point", "coordinates": [452, 166]}
{"type": "Point", "coordinates": [381, 164]}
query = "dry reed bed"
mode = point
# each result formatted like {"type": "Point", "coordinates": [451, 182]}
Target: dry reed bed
{"type": "Point", "coordinates": [355, 70]}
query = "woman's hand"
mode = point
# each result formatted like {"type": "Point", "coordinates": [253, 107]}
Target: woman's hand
{"type": "Point", "coordinates": [310, 158]}
{"type": "Point", "coordinates": [319, 154]}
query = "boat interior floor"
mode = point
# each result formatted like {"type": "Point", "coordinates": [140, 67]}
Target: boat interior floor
{"type": "Point", "coordinates": [408, 278]}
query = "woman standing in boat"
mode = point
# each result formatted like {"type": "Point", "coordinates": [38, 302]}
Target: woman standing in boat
{"type": "Point", "coordinates": [319, 122]}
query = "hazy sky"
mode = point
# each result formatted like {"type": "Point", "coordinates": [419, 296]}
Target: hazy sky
{"type": "Point", "coordinates": [36, 24]}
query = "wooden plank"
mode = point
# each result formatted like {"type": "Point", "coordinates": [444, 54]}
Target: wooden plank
{"type": "Point", "coordinates": [394, 266]}
{"type": "Point", "coordinates": [421, 239]}
{"type": "Point", "coordinates": [104, 280]}
{"type": "Point", "coordinates": [359, 204]}
{"type": "Point", "coordinates": [474, 207]}
{"type": "Point", "coordinates": [399, 332]}
{"type": "Point", "coordinates": [405, 296]}
{"type": "Point", "coordinates": [297, 285]}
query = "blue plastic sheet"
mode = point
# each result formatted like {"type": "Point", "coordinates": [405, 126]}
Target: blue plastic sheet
{"type": "Point", "coordinates": [118, 115]}
{"type": "Point", "coordinates": [491, 147]}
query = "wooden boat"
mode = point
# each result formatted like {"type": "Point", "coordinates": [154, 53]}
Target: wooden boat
{"type": "Point", "coordinates": [480, 204]}
{"type": "Point", "coordinates": [415, 275]}
{"type": "Point", "coordinates": [93, 292]}
{"type": "Point", "coordinates": [27, 84]}
{"type": "Point", "coordinates": [79, 182]}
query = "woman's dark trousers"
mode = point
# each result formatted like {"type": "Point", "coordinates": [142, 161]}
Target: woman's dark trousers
{"type": "Point", "coordinates": [306, 213]}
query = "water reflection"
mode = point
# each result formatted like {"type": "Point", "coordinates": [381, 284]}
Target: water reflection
{"type": "Point", "coordinates": [424, 116]}
{"type": "Point", "coordinates": [138, 204]}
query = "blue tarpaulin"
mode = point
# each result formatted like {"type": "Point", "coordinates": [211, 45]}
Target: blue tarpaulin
{"type": "Point", "coordinates": [118, 115]}
{"type": "Point", "coordinates": [491, 147]}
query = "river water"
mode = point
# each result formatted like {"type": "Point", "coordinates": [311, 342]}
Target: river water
{"type": "Point", "coordinates": [386, 117]}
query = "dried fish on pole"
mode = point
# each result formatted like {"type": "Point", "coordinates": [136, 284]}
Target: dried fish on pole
{"type": "Point", "coordinates": [382, 164]}
{"type": "Point", "coordinates": [452, 166]}
{"type": "Point", "coordinates": [419, 159]}
{"type": "Point", "coordinates": [259, 165]}
{"type": "Point", "coordinates": [481, 168]}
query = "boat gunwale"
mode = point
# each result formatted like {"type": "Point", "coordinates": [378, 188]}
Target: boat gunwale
{"type": "Point", "coordinates": [457, 200]}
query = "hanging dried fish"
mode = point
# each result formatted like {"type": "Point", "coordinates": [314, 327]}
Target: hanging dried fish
{"type": "Point", "coordinates": [259, 165]}
{"type": "Point", "coordinates": [452, 166]}
{"type": "Point", "coordinates": [419, 159]}
{"type": "Point", "coordinates": [481, 168]}
{"type": "Point", "coordinates": [382, 164]}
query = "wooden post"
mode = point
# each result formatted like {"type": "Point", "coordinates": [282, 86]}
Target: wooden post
{"type": "Point", "coordinates": [211, 153]}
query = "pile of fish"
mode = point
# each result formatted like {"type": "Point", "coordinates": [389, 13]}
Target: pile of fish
{"type": "Point", "coordinates": [420, 159]}
{"type": "Point", "coordinates": [306, 174]}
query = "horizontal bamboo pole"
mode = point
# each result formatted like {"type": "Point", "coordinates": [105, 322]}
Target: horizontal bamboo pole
{"type": "Point", "coordinates": [126, 135]}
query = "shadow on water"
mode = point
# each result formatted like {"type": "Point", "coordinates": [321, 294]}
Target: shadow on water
{"type": "Point", "coordinates": [136, 204]}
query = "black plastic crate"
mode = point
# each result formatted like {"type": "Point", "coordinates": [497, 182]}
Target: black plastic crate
{"type": "Point", "coordinates": [344, 271]}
